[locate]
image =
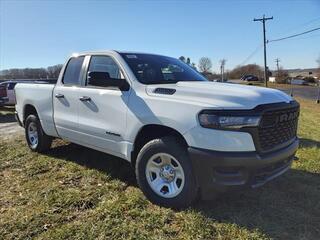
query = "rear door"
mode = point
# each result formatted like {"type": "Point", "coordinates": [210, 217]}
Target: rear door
{"type": "Point", "coordinates": [66, 100]}
{"type": "Point", "coordinates": [102, 117]}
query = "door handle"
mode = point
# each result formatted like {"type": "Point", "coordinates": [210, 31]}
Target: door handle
{"type": "Point", "coordinates": [58, 95]}
{"type": "Point", "coordinates": [85, 99]}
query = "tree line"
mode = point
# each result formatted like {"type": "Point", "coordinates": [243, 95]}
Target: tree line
{"type": "Point", "coordinates": [204, 66]}
{"type": "Point", "coordinates": [31, 73]}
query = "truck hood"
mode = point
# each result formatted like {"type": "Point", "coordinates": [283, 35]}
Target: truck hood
{"type": "Point", "coordinates": [219, 95]}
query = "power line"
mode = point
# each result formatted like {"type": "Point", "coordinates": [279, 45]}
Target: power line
{"type": "Point", "coordinates": [308, 37]}
{"type": "Point", "coordinates": [295, 35]}
{"type": "Point", "coordinates": [261, 45]}
{"type": "Point", "coordinates": [311, 21]}
{"type": "Point", "coordinates": [303, 25]}
{"type": "Point", "coordinates": [252, 54]}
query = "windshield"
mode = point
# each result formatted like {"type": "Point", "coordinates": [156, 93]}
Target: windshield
{"type": "Point", "coordinates": [155, 69]}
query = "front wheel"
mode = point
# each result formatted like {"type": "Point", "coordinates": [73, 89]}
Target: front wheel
{"type": "Point", "coordinates": [164, 173]}
{"type": "Point", "coordinates": [37, 140]}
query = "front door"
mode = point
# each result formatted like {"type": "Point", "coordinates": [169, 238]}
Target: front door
{"type": "Point", "coordinates": [102, 111]}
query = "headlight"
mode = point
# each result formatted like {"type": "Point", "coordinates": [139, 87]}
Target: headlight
{"type": "Point", "coordinates": [209, 120]}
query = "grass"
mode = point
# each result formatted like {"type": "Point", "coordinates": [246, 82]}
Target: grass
{"type": "Point", "coordinates": [76, 193]}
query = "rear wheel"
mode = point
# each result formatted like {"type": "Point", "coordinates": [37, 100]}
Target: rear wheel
{"type": "Point", "coordinates": [164, 173]}
{"type": "Point", "coordinates": [37, 140]}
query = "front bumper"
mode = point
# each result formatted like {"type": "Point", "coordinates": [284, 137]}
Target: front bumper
{"type": "Point", "coordinates": [219, 171]}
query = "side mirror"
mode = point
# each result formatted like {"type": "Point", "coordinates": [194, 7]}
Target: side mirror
{"type": "Point", "coordinates": [102, 79]}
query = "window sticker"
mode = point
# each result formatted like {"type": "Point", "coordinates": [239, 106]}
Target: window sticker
{"type": "Point", "coordinates": [131, 56]}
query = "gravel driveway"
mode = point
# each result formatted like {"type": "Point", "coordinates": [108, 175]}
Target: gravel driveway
{"type": "Point", "coordinates": [9, 128]}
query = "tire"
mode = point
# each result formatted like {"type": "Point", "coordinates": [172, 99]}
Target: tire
{"type": "Point", "coordinates": [152, 172]}
{"type": "Point", "coordinates": [37, 140]}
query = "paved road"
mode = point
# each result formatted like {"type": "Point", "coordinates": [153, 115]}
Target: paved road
{"type": "Point", "coordinates": [307, 92]}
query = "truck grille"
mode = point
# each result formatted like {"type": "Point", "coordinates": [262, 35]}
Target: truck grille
{"type": "Point", "coordinates": [278, 127]}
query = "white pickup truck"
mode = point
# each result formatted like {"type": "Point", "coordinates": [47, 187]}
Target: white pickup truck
{"type": "Point", "coordinates": [185, 136]}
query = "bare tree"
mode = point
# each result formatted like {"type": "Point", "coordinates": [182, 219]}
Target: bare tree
{"type": "Point", "coordinates": [53, 71]}
{"type": "Point", "coordinates": [253, 69]}
{"type": "Point", "coordinates": [282, 75]}
{"type": "Point", "coordinates": [194, 66]}
{"type": "Point", "coordinates": [31, 73]}
{"type": "Point", "coordinates": [182, 58]}
{"type": "Point", "coordinates": [205, 64]}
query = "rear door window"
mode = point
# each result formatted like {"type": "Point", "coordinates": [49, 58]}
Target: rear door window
{"type": "Point", "coordinates": [72, 72]}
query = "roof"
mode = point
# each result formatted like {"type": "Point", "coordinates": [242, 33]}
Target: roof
{"type": "Point", "coordinates": [111, 52]}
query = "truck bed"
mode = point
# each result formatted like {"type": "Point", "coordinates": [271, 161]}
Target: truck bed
{"type": "Point", "coordinates": [38, 95]}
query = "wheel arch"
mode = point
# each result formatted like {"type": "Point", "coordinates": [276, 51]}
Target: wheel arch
{"type": "Point", "coordinates": [28, 110]}
{"type": "Point", "coordinates": [150, 132]}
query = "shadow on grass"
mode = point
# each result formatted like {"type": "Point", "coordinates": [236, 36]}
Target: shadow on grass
{"type": "Point", "coordinates": [286, 208]}
{"type": "Point", "coordinates": [7, 114]}
{"type": "Point", "coordinates": [7, 118]}
{"type": "Point", "coordinates": [115, 167]}
{"type": "Point", "coordinates": [309, 143]}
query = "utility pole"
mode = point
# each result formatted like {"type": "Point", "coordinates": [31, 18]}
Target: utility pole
{"type": "Point", "coordinates": [277, 61]}
{"type": "Point", "coordinates": [263, 20]}
{"type": "Point", "coordinates": [222, 64]}
{"type": "Point", "coordinates": [318, 98]}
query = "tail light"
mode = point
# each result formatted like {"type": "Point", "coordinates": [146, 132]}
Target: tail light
{"type": "Point", "coordinates": [3, 91]}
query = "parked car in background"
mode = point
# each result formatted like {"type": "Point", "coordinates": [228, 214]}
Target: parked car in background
{"type": "Point", "coordinates": [298, 82]}
{"type": "Point", "coordinates": [250, 78]}
{"type": "Point", "coordinates": [3, 94]}
{"type": "Point", "coordinates": [8, 90]}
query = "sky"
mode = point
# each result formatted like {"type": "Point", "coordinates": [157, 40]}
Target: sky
{"type": "Point", "coordinates": [43, 33]}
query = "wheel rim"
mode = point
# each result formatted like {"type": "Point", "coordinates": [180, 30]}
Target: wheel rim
{"type": "Point", "coordinates": [33, 135]}
{"type": "Point", "coordinates": [165, 175]}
